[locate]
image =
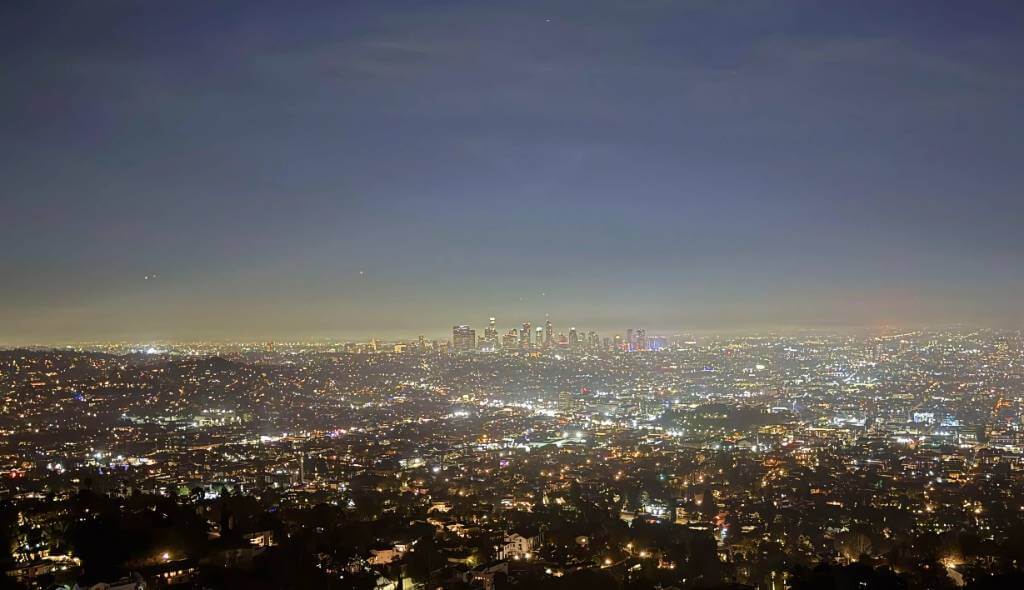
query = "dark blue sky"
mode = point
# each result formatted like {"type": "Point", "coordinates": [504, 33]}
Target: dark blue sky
{"type": "Point", "coordinates": [668, 164]}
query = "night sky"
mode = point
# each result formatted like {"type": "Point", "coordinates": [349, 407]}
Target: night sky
{"type": "Point", "coordinates": [257, 170]}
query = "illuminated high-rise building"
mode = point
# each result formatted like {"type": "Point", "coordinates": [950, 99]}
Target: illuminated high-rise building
{"type": "Point", "coordinates": [641, 339]}
{"type": "Point", "coordinates": [548, 333]}
{"type": "Point", "coordinates": [540, 337]}
{"type": "Point", "coordinates": [574, 338]}
{"type": "Point", "coordinates": [463, 338]}
{"type": "Point", "coordinates": [510, 341]}
{"type": "Point", "coordinates": [524, 336]}
{"type": "Point", "coordinates": [630, 341]}
{"type": "Point", "coordinates": [565, 400]}
{"type": "Point", "coordinates": [490, 341]}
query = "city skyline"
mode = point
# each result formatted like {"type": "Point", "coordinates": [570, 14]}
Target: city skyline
{"type": "Point", "coordinates": [504, 329]}
{"type": "Point", "coordinates": [360, 169]}
{"type": "Point", "coordinates": [507, 295]}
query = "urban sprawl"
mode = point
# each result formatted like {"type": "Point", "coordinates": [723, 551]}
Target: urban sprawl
{"type": "Point", "coordinates": [518, 458]}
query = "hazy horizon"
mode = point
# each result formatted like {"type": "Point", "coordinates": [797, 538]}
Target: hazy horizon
{"type": "Point", "coordinates": [881, 330]}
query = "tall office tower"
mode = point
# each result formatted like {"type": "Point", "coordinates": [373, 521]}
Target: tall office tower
{"type": "Point", "coordinates": [422, 343]}
{"type": "Point", "coordinates": [565, 401]}
{"type": "Point", "coordinates": [463, 338]}
{"type": "Point", "coordinates": [540, 337]}
{"type": "Point", "coordinates": [593, 342]}
{"type": "Point", "coordinates": [574, 338]}
{"type": "Point", "coordinates": [641, 339]}
{"type": "Point", "coordinates": [548, 333]}
{"type": "Point", "coordinates": [630, 342]}
{"type": "Point", "coordinates": [618, 342]}
{"type": "Point", "coordinates": [524, 336]}
{"type": "Point", "coordinates": [510, 341]}
{"type": "Point", "coordinates": [491, 335]}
